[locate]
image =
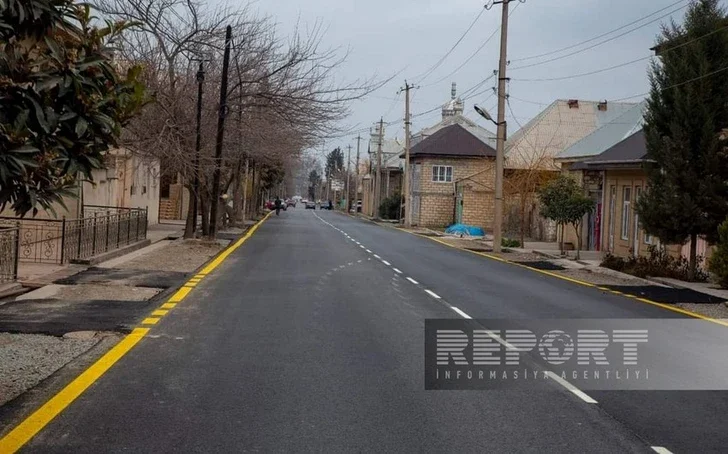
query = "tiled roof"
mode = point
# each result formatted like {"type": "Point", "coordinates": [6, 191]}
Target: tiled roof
{"type": "Point", "coordinates": [454, 141]}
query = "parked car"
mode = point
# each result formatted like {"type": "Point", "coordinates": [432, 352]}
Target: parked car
{"type": "Point", "coordinates": [310, 205]}
{"type": "Point", "coordinates": [290, 203]}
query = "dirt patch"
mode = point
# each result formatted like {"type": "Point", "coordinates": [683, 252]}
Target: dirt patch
{"type": "Point", "coordinates": [105, 292]}
{"type": "Point", "coordinates": [719, 311]}
{"type": "Point", "coordinates": [598, 278]}
{"type": "Point", "coordinates": [182, 256]}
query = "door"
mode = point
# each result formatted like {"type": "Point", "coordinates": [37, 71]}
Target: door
{"type": "Point", "coordinates": [459, 204]}
{"type": "Point", "coordinates": [636, 229]}
{"type": "Point", "coordinates": [612, 215]}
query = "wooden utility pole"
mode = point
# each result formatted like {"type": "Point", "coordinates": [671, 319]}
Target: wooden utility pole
{"type": "Point", "coordinates": [406, 204]}
{"type": "Point", "coordinates": [500, 147]}
{"type": "Point", "coordinates": [220, 133]}
{"type": "Point", "coordinates": [358, 182]}
{"type": "Point", "coordinates": [348, 178]}
{"type": "Point", "coordinates": [378, 176]}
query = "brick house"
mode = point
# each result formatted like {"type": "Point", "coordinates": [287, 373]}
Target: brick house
{"type": "Point", "coordinates": [452, 179]}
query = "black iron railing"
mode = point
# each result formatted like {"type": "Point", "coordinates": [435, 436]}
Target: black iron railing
{"type": "Point", "coordinates": [9, 242]}
{"type": "Point", "coordinates": [101, 230]}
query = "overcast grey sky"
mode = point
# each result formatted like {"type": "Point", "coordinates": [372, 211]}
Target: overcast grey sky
{"type": "Point", "coordinates": [388, 36]}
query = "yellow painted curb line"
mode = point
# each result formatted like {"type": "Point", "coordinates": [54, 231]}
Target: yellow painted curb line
{"type": "Point", "coordinates": [34, 423]}
{"type": "Point", "coordinates": [577, 281]}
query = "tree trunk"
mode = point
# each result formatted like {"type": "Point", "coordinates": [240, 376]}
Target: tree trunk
{"type": "Point", "coordinates": [205, 212]}
{"type": "Point", "coordinates": [577, 228]}
{"type": "Point", "coordinates": [693, 257]}
{"type": "Point", "coordinates": [561, 242]}
{"type": "Point", "coordinates": [190, 222]}
{"type": "Point", "coordinates": [523, 221]}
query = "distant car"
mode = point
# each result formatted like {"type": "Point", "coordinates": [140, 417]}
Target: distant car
{"type": "Point", "coordinates": [310, 205]}
{"type": "Point", "coordinates": [304, 201]}
{"type": "Point", "coordinates": [291, 203]}
{"type": "Point", "coordinates": [270, 204]}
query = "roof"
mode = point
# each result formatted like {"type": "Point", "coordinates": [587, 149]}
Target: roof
{"type": "Point", "coordinates": [478, 131]}
{"type": "Point", "coordinates": [606, 136]}
{"type": "Point", "coordinates": [455, 141]}
{"type": "Point", "coordinates": [632, 150]}
{"type": "Point", "coordinates": [558, 127]}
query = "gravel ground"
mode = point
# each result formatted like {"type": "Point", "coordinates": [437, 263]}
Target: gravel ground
{"type": "Point", "coordinates": [28, 359]}
{"type": "Point", "coordinates": [182, 256]}
{"type": "Point", "coordinates": [598, 278]}
{"type": "Point", "coordinates": [105, 292]}
{"type": "Point", "coordinates": [719, 311]}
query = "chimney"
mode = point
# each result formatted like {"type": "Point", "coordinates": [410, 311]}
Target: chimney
{"type": "Point", "coordinates": [602, 106]}
{"type": "Point", "coordinates": [573, 103]}
{"type": "Point", "coordinates": [454, 92]}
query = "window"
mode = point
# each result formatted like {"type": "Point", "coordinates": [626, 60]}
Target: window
{"type": "Point", "coordinates": [442, 174]}
{"type": "Point", "coordinates": [626, 208]}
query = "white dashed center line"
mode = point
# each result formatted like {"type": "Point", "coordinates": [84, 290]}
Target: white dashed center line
{"type": "Point", "coordinates": [412, 280]}
{"type": "Point", "coordinates": [386, 263]}
{"type": "Point", "coordinates": [397, 271]}
{"type": "Point", "coordinates": [461, 313]}
{"type": "Point", "coordinates": [432, 294]}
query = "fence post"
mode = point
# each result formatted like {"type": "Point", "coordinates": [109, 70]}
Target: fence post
{"type": "Point", "coordinates": [81, 224]}
{"type": "Point", "coordinates": [146, 222]}
{"type": "Point", "coordinates": [118, 229]}
{"type": "Point", "coordinates": [128, 229]}
{"type": "Point", "coordinates": [63, 239]}
{"type": "Point", "coordinates": [138, 219]}
{"type": "Point", "coordinates": [108, 224]}
{"type": "Point", "coordinates": [17, 251]}
{"type": "Point", "coordinates": [93, 238]}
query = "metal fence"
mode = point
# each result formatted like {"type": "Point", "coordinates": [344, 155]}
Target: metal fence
{"type": "Point", "coordinates": [100, 230]}
{"type": "Point", "coordinates": [9, 242]}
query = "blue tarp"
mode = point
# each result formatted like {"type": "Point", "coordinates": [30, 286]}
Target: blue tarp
{"type": "Point", "coordinates": [462, 229]}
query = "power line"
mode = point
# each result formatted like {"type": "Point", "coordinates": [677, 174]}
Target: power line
{"type": "Point", "coordinates": [624, 64]}
{"type": "Point", "coordinates": [571, 54]}
{"type": "Point", "coordinates": [474, 54]}
{"type": "Point", "coordinates": [718, 71]}
{"type": "Point", "coordinates": [546, 54]}
{"type": "Point", "coordinates": [447, 54]}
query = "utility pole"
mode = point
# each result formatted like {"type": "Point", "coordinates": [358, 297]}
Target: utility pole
{"type": "Point", "coordinates": [198, 145]}
{"type": "Point", "coordinates": [348, 178]}
{"type": "Point", "coordinates": [378, 179]}
{"type": "Point", "coordinates": [220, 132]}
{"type": "Point", "coordinates": [406, 196]}
{"type": "Point", "coordinates": [356, 191]}
{"type": "Point", "coordinates": [500, 147]}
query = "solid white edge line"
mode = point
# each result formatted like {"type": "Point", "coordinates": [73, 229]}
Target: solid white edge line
{"type": "Point", "coordinates": [576, 391]}
{"type": "Point", "coordinates": [412, 280]}
{"type": "Point", "coordinates": [461, 313]}
{"type": "Point", "coordinates": [661, 450]}
{"type": "Point", "coordinates": [386, 263]}
{"type": "Point", "coordinates": [397, 271]}
{"type": "Point", "coordinates": [432, 294]}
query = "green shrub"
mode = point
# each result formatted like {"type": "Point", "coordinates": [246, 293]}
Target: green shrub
{"type": "Point", "coordinates": [389, 208]}
{"type": "Point", "coordinates": [509, 242]}
{"type": "Point", "coordinates": [718, 263]}
{"type": "Point", "coordinates": [657, 263]}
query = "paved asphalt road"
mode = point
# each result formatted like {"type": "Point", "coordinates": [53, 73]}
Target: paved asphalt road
{"type": "Point", "coordinates": [303, 341]}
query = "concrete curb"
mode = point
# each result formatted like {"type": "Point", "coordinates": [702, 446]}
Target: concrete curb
{"type": "Point", "coordinates": [113, 254]}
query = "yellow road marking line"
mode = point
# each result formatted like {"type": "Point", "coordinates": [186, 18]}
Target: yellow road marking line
{"type": "Point", "coordinates": [220, 258]}
{"type": "Point", "coordinates": [586, 284]}
{"type": "Point", "coordinates": [191, 285]}
{"type": "Point", "coordinates": [179, 295]}
{"type": "Point", "coordinates": [33, 424]}
{"type": "Point", "coordinates": [160, 313]}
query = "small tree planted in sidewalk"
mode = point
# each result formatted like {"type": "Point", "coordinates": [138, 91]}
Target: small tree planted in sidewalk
{"type": "Point", "coordinates": [564, 202]}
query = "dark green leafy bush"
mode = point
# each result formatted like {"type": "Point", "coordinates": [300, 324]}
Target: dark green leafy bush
{"type": "Point", "coordinates": [657, 263]}
{"type": "Point", "coordinates": [718, 263]}
{"type": "Point", "coordinates": [389, 208]}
